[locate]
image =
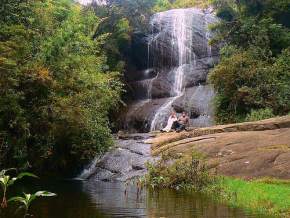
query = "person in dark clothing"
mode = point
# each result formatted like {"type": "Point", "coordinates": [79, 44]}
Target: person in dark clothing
{"type": "Point", "coordinates": [182, 122]}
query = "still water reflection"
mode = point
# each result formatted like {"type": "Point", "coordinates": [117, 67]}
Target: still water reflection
{"type": "Point", "coordinates": [77, 199]}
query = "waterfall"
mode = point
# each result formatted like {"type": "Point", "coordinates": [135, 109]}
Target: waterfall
{"type": "Point", "coordinates": [98, 2]}
{"type": "Point", "coordinates": [181, 50]}
{"type": "Point", "coordinates": [180, 56]}
{"type": "Point", "coordinates": [90, 169]}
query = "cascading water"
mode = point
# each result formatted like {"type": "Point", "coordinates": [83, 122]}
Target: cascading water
{"type": "Point", "coordinates": [180, 56]}
{"type": "Point", "coordinates": [181, 50]}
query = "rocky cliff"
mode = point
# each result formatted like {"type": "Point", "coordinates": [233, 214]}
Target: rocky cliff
{"type": "Point", "coordinates": [178, 60]}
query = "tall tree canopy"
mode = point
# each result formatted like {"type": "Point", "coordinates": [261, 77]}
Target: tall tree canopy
{"type": "Point", "coordinates": [56, 85]}
{"type": "Point", "coordinates": [254, 71]}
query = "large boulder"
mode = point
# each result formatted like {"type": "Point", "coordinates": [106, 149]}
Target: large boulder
{"type": "Point", "coordinates": [139, 114]}
{"type": "Point", "coordinates": [162, 85]}
{"type": "Point", "coordinates": [196, 101]}
{"type": "Point", "coordinates": [245, 150]}
{"type": "Point", "coordinates": [125, 161]}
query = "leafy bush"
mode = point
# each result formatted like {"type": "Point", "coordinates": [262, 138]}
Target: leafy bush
{"type": "Point", "coordinates": [182, 173]}
{"type": "Point", "coordinates": [254, 69]}
{"type": "Point", "coordinates": [246, 80]}
{"type": "Point", "coordinates": [260, 114]}
{"type": "Point", "coordinates": [163, 5]}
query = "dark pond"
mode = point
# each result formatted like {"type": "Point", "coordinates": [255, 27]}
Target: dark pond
{"type": "Point", "coordinates": [81, 199]}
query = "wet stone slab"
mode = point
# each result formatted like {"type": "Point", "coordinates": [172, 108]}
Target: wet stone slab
{"type": "Point", "coordinates": [127, 160]}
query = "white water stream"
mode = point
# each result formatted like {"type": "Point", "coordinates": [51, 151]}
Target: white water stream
{"type": "Point", "coordinates": [181, 38]}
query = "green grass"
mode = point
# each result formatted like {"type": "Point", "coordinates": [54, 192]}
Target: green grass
{"type": "Point", "coordinates": [267, 196]}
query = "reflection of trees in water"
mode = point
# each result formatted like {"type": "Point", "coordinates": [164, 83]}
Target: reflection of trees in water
{"type": "Point", "coordinates": [169, 203]}
{"type": "Point", "coordinates": [114, 199]}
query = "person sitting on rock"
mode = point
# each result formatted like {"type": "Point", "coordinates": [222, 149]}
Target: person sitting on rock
{"type": "Point", "coordinates": [182, 122]}
{"type": "Point", "coordinates": [172, 119]}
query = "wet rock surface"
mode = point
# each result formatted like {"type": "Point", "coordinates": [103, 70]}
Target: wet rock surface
{"type": "Point", "coordinates": [197, 101]}
{"type": "Point", "coordinates": [195, 20]}
{"type": "Point", "coordinates": [178, 59]}
{"type": "Point", "coordinates": [125, 161]}
{"type": "Point", "coordinates": [139, 114]}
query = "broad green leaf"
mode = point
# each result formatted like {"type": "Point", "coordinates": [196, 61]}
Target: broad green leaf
{"type": "Point", "coordinates": [45, 194]}
{"type": "Point", "coordinates": [21, 175]}
{"type": "Point", "coordinates": [19, 199]}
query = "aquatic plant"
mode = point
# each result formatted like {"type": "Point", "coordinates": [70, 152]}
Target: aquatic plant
{"type": "Point", "coordinates": [7, 181]}
{"type": "Point", "coordinates": [29, 198]}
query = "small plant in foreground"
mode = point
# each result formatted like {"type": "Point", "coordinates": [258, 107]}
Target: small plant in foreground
{"type": "Point", "coordinates": [28, 198]}
{"type": "Point", "coordinates": [7, 181]}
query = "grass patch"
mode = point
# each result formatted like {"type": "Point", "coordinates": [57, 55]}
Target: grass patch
{"type": "Point", "coordinates": [258, 196]}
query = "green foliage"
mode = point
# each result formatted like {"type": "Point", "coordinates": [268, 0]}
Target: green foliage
{"type": "Point", "coordinates": [261, 114]}
{"type": "Point", "coordinates": [120, 19]}
{"type": "Point", "coordinates": [271, 199]}
{"type": "Point", "coordinates": [255, 64]}
{"type": "Point", "coordinates": [136, 12]}
{"type": "Point", "coordinates": [250, 80]}
{"type": "Point", "coordinates": [163, 5]}
{"type": "Point", "coordinates": [6, 181]}
{"type": "Point", "coordinates": [56, 86]}
{"type": "Point", "coordinates": [27, 199]}
{"type": "Point", "coordinates": [181, 174]}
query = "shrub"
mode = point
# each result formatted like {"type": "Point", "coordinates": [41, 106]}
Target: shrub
{"type": "Point", "coordinates": [182, 173]}
{"type": "Point", "coordinates": [260, 114]}
{"type": "Point", "coordinates": [246, 80]}
{"type": "Point", "coordinates": [254, 70]}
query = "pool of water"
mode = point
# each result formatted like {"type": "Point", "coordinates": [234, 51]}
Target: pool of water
{"type": "Point", "coordinates": [88, 199]}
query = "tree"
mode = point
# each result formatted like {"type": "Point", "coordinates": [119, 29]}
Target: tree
{"type": "Point", "coordinates": [56, 86]}
{"type": "Point", "coordinates": [256, 38]}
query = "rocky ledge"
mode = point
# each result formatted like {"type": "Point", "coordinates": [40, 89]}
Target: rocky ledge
{"type": "Point", "coordinates": [126, 160]}
{"type": "Point", "coordinates": [245, 150]}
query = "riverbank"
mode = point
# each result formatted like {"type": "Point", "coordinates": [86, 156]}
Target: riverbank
{"type": "Point", "coordinates": [269, 197]}
{"type": "Point", "coordinates": [249, 162]}
{"type": "Point", "coordinates": [266, 197]}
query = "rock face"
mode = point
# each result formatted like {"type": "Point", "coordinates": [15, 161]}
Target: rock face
{"type": "Point", "coordinates": [125, 161]}
{"type": "Point", "coordinates": [247, 150]}
{"type": "Point", "coordinates": [178, 61]}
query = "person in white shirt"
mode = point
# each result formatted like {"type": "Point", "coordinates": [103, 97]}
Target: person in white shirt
{"type": "Point", "coordinates": [171, 120]}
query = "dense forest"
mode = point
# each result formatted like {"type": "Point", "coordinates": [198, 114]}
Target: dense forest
{"type": "Point", "coordinates": [57, 86]}
{"type": "Point", "coordinates": [252, 79]}
{"type": "Point", "coordinates": [61, 68]}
